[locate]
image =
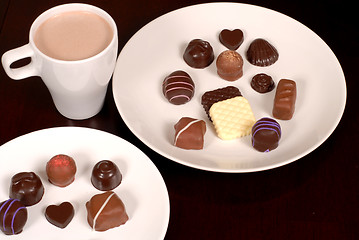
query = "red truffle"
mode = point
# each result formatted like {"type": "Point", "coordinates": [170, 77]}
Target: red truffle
{"type": "Point", "coordinates": [61, 170]}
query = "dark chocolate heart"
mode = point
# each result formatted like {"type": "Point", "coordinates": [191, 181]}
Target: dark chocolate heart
{"type": "Point", "coordinates": [61, 215]}
{"type": "Point", "coordinates": [231, 39]}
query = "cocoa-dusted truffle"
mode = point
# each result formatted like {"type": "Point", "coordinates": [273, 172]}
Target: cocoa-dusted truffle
{"type": "Point", "coordinates": [178, 87]}
{"type": "Point", "coordinates": [261, 53]}
{"type": "Point", "coordinates": [198, 54]}
{"type": "Point", "coordinates": [27, 187]}
{"type": "Point", "coordinates": [230, 65]}
{"type": "Point", "coordinates": [13, 216]}
{"type": "Point", "coordinates": [189, 133]}
{"type": "Point", "coordinates": [106, 175]}
{"type": "Point", "coordinates": [61, 170]}
{"type": "Point", "coordinates": [105, 211]}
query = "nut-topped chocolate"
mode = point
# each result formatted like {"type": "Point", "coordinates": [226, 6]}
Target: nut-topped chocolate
{"type": "Point", "coordinates": [198, 54]}
{"type": "Point", "coordinates": [27, 187]}
{"type": "Point", "coordinates": [106, 175]}
{"type": "Point", "coordinates": [261, 53]}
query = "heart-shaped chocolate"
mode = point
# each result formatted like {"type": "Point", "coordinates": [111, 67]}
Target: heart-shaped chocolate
{"type": "Point", "coordinates": [60, 215]}
{"type": "Point", "coordinates": [231, 39]}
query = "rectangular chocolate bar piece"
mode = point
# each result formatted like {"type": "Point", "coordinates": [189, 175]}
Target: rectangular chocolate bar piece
{"type": "Point", "coordinates": [284, 100]}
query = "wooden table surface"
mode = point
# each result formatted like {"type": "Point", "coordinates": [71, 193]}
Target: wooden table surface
{"type": "Point", "coordinates": [316, 197]}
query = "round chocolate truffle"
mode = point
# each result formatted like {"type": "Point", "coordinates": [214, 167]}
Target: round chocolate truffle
{"type": "Point", "coordinates": [27, 187]}
{"type": "Point", "coordinates": [178, 87]}
{"type": "Point", "coordinates": [61, 170]}
{"type": "Point", "coordinates": [230, 65]}
{"type": "Point", "coordinates": [266, 133]}
{"type": "Point", "coordinates": [198, 54]}
{"type": "Point", "coordinates": [261, 53]}
{"type": "Point", "coordinates": [13, 216]}
{"type": "Point", "coordinates": [262, 83]}
{"type": "Point", "coordinates": [106, 175]}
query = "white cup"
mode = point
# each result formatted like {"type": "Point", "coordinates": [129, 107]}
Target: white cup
{"type": "Point", "coordinates": [78, 88]}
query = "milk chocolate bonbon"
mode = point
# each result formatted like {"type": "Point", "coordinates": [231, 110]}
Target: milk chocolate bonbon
{"type": "Point", "coordinates": [261, 53]}
{"type": "Point", "coordinates": [230, 65]}
{"type": "Point", "coordinates": [189, 133]}
{"type": "Point", "coordinates": [27, 187]}
{"type": "Point", "coordinates": [178, 87]}
{"type": "Point", "coordinates": [284, 100]}
{"type": "Point", "coordinates": [262, 83]}
{"type": "Point", "coordinates": [106, 211]}
{"type": "Point", "coordinates": [198, 54]}
{"type": "Point", "coordinates": [106, 175]}
{"type": "Point", "coordinates": [231, 39]}
{"type": "Point", "coordinates": [13, 216]}
{"type": "Point", "coordinates": [61, 170]}
{"type": "Point", "coordinates": [266, 133]}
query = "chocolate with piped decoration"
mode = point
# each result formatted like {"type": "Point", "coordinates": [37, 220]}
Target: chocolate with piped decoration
{"type": "Point", "coordinates": [27, 187]}
{"type": "Point", "coordinates": [284, 100]}
{"type": "Point", "coordinates": [60, 215]}
{"type": "Point", "coordinates": [61, 170]}
{"type": "Point", "coordinates": [266, 133]}
{"type": "Point", "coordinates": [13, 216]}
{"type": "Point", "coordinates": [232, 39]}
{"type": "Point", "coordinates": [189, 133]}
{"type": "Point", "coordinates": [261, 53]}
{"type": "Point", "coordinates": [106, 211]}
{"type": "Point", "coordinates": [262, 83]}
{"type": "Point", "coordinates": [220, 94]}
{"type": "Point", "coordinates": [198, 54]}
{"type": "Point", "coordinates": [230, 65]}
{"type": "Point", "coordinates": [106, 175]}
{"type": "Point", "coordinates": [178, 87]}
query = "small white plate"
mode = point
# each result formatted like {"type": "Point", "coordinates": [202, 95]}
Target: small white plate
{"type": "Point", "coordinates": [142, 189]}
{"type": "Point", "coordinates": [156, 50]}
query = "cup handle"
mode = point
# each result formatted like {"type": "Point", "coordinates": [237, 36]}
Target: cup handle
{"type": "Point", "coordinates": [16, 54]}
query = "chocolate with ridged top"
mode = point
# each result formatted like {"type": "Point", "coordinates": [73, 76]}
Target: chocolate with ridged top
{"type": "Point", "coordinates": [266, 133]}
{"type": "Point", "coordinates": [261, 53]}
{"type": "Point", "coordinates": [284, 100]}
{"type": "Point", "coordinates": [262, 83]}
{"type": "Point", "coordinates": [106, 175]}
{"type": "Point", "coordinates": [211, 97]}
{"type": "Point", "coordinates": [27, 187]}
{"type": "Point", "coordinates": [13, 216]}
{"type": "Point", "coordinates": [178, 87]}
{"type": "Point", "coordinates": [198, 54]}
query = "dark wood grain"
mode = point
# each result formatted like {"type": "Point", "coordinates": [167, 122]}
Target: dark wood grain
{"type": "Point", "coordinates": [316, 197]}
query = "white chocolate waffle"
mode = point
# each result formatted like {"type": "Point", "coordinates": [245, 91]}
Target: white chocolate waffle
{"type": "Point", "coordinates": [232, 118]}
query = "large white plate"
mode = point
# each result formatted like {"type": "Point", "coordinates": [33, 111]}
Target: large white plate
{"type": "Point", "coordinates": [156, 50]}
{"type": "Point", "coordinates": [142, 189]}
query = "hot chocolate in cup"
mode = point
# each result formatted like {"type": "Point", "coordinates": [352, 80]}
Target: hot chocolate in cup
{"type": "Point", "coordinates": [73, 48]}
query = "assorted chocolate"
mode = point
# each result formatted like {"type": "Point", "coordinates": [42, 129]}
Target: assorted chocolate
{"type": "Point", "coordinates": [189, 133]}
{"type": "Point", "coordinates": [231, 39]}
{"type": "Point", "coordinates": [106, 211]}
{"type": "Point", "coordinates": [266, 134]}
{"type": "Point", "coordinates": [27, 188]}
{"type": "Point", "coordinates": [60, 215]}
{"type": "Point", "coordinates": [178, 87]}
{"type": "Point", "coordinates": [198, 54]}
{"type": "Point", "coordinates": [284, 100]}
{"type": "Point", "coordinates": [229, 65]}
{"type": "Point", "coordinates": [13, 216]}
{"type": "Point", "coordinates": [262, 83]}
{"type": "Point", "coordinates": [61, 170]}
{"type": "Point", "coordinates": [106, 175]}
{"type": "Point", "coordinates": [261, 53]}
